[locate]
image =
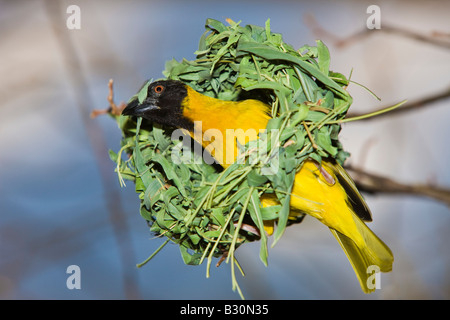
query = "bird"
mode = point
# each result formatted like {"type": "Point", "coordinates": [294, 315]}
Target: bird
{"type": "Point", "coordinates": [323, 190]}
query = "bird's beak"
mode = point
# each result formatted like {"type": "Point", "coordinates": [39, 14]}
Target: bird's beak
{"type": "Point", "coordinates": [134, 108]}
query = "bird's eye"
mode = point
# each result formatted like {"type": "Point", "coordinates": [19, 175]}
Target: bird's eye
{"type": "Point", "coordinates": [158, 89]}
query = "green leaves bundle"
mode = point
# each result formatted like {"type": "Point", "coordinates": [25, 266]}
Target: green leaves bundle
{"type": "Point", "coordinates": [210, 212]}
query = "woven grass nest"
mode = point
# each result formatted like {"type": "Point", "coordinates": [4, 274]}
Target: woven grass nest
{"type": "Point", "coordinates": [208, 211]}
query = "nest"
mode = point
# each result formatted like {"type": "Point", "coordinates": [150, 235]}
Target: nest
{"type": "Point", "coordinates": [208, 211]}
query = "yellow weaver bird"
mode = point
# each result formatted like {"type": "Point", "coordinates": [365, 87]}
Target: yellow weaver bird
{"type": "Point", "coordinates": [325, 192]}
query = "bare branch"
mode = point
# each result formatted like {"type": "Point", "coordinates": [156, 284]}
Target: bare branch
{"type": "Point", "coordinates": [407, 107]}
{"type": "Point", "coordinates": [373, 183]}
{"type": "Point", "coordinates": [113, 108]}
{"type": "Point", "coordinates": [431, 39]}
{"type": "Point", "coordinates": [436, 38]}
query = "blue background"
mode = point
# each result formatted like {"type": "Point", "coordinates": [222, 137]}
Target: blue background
{"type": "Point", "coordinates": [57, 184]}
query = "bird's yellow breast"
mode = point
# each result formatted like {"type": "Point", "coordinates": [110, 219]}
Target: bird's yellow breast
{"type": "Point", "coordinates": [218, 123]}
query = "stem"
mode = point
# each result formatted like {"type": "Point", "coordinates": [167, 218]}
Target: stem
{"type": "Point", "coordinates": [368, 115]}
{"type": "Point", "coordinates": [313, 143]}
{"type": "Point", "coordinates": [217, 242]}
{"type": "Point", "coordinates": [153, 254]}
{"type": "Point", "coordinates": [233, 244]}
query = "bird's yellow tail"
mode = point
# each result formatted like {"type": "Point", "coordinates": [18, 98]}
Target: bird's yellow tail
{"type": "Point", "coordinates": [327, 193]}
{"type": "Point", "coordinates": [369, 257]}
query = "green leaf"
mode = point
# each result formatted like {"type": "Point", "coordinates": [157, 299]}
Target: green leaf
{"type": "Point", "coordinates": [143, 92]}
{"type": "Point", "coordinates": [188, 258]}
{"type": "Point", "coordinates": [315, 116]}
{"type": "Point", "coordinates": [270, 213]}
{"type": "Point", "coordinates": [170, 172]}
{"type": "Point", "coordinates": [338, 78]}
{"type": "Point", "coordinates": [151, 192]}
{"type": "Point", "coordinates": [218, 217]}
{"type": "Point", "coordinates": [113, 156]}
{"type": "Point", "coordinates": [255, 179]}
{"type": "Point", "coordinates": [268, 33]}
{"type": "Point", "coordinates": [145, 213]}
{"type": "Point", "coordinates": [285, 209]}
{"type": "Point", "coordinates": [255, 213]}
{"type": "Point", "coordinates": [202, 45]}
{"type": "Point", "coordinates": [195, 238]}
{"type": "Point", "coordinates": [161, 138]}
{"type": "Point", "coordinates": [274, 123]}
{"type": "Point", "coordinates": [323, 139]}
{"type": "Point", "coordinates": [269, 53]}
{"type": "Point", "coordinates": [139, 161]}
{"type": "Point", "coordinates": [269, 85]}
{"type": "Point", "coordinates": [300, 115]}
{"type": "Point", "coordinates": [215, 25]}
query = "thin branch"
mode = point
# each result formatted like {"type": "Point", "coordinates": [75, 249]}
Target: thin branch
{"type": "Point", "coordinates": [408, 106]}
{"type": "Point", "coordinates": [373, 183]}
{"type": "Point", "coordinates": [430, 39]}
{"type": "Point", "coordinates": [113, 108]}
{"type": "Point", "coordinates": [98, 143]}
{"type": "Point", "coordinates": [435, 38]}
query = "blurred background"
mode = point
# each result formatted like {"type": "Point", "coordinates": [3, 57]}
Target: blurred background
{"type": "Point", "coordinates": [60, 200]}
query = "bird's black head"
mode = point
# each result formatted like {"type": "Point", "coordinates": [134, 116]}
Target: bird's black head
{"type": "Point", "coordinates": [162, 104]}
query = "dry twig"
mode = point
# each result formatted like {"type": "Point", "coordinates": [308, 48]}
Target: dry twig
{"type": "Point", "coordinates": [435, 38]}
{"type": "Point", "coordinates": [373, 183]}
{"type": "Point", "coordinates": [113, 108]}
